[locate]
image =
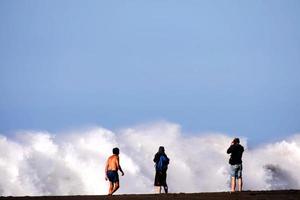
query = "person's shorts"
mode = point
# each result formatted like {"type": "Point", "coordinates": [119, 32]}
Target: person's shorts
{"type": "Point", "coordinates": [113, 176]}
{"type": "Point", "coordinates": [236, 171]}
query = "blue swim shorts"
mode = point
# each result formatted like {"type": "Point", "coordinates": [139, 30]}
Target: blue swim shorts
{"type": "Point", "coordinates": [113, 176]}
{"type": "Point", "coordinates": [236, 170]}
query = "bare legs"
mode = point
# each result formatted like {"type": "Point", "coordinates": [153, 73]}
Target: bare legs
{"type": "Point", "coordinates": [240, 184]}
{"type": "Point", "coordinates": [113, 187]}
{"type": "Point", "coordinates": [233, 184]}
{"type": "Point", "coordinates": [159, 189]}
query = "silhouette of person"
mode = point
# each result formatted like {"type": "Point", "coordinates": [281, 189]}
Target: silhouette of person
{"type": "Point", "coordinates": [236, 150]}
{"type": "Point", "coordinates": [111, 171]}
{"type": "Point", "coordinates": [161, 166]}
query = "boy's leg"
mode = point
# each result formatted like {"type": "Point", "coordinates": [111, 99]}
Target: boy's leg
{"type": "Point", "coordinates": [232, 184]}
{"type": "Point", "coordinates": [240, 182]}
{"type": "Point", "coordinates": [115, 187]}
{"type": "Point", "coordinates": [111, 187]}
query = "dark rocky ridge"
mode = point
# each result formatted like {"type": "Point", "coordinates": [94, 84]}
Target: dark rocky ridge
{"type": "Point", "coordinates": [247, 195]}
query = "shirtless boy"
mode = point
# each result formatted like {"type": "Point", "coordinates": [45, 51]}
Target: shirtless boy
{"type": "Point", "coordinates": [111, 171]}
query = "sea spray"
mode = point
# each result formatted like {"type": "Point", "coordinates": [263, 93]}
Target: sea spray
{"type": "Point", "coordinates": [43, 163]}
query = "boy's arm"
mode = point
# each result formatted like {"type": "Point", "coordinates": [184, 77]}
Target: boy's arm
{"type": "Point", "coordinates": [106, 168]}
{"type": "Point", "coordinates": [119, 166]}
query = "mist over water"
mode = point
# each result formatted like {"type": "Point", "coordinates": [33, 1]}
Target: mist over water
{"type": "Point", "coordinates": [42, 163]}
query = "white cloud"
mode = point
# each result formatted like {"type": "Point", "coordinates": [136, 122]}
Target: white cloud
{"type": "Point", "coordinates": [41, 163]}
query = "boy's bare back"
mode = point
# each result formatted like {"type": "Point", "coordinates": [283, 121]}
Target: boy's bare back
{"type": "Point", "coordinates": [113, 163]}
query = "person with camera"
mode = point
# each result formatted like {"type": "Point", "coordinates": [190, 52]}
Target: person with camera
{"type": "Point", "coordinates": [236, 150]}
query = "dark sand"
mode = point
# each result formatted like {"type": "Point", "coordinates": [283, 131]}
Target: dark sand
{"type": "Point", "coordinates": [248, 195]}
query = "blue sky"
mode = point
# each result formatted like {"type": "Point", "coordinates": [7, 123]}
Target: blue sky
{"type": "Point", "coordinates": [228, 66]}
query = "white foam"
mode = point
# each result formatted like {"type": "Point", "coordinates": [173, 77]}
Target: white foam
{"type": "Point", "coordinates": [41, 163]}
